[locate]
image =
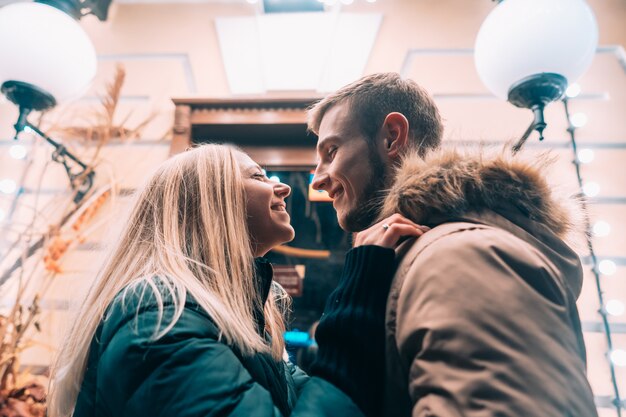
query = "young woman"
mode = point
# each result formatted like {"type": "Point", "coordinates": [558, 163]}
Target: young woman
{"type": "Point", "coordinates": [184, 321]}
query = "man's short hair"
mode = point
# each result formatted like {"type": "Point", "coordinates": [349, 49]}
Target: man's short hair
{"type": "Point", "coordinates": [373, 97]}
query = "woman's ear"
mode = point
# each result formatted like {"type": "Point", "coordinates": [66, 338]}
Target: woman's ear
{"type": "Point", "coordinates": [396, 131]}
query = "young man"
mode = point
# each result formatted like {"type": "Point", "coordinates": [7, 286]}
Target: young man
{"type": "Point", "coordinates": [481, 317]}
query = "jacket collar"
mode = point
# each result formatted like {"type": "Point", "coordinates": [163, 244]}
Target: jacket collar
{"type": "Point", "coordinates": [489, 188]}
{"type": "Point", "coordinates": [451, 183]}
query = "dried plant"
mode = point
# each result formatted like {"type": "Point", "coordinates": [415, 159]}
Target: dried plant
{"type": "Point", "coordinates": [27, 401]}
{"type": "Point", "coordinates": [99, 126]}
{"type": "Point", "coordinates": [31, 274]}
{"type": "Point", "coordinates": [20, 393]}
{"type": "Point", "coordinates": [60, 243]}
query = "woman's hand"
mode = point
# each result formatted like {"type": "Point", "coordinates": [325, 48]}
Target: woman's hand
{"type": "Point", "coordinates": [388, 232]}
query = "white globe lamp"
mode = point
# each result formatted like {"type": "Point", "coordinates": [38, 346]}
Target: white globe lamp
{"type": "Point", "coordinates": [47, 49]}
{"type": "Point", "coordinates": [529, 51]}
{"type": "Point", "coordinates": [46, 57]}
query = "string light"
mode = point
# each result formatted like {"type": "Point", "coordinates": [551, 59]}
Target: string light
{"type": "Point", "coordinates": [607, 267]}
{"type": "Point", "coordinates": [618, 357]}
{"type": "Point", "coordinates": [579, 119]}
{"type": "Point", "coordinates": [573, 90]}
{"type": "Point", "coordinates": [601, 228]}
{"type": "Point", "coordinates": [7, 186]}
{"type": "Point", "coordinates": [275, 178]}
{"type": "Point", "coordinates": [344, 2]}
{"type": "Point", "coordinates": [586, 156]}
{"type": "Point", "coordinates": [615, 307]}
{"type": "Point", "coordinates": [591, 189]}
{"type": "Point", "coordinates": [17, 151]}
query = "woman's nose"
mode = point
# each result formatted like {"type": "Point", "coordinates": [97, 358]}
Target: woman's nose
{"type": "Point", "coordinates": [282, 190]}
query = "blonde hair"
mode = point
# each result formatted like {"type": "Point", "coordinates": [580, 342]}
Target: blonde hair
{"type": "Point", "coordinates": [188, 229]}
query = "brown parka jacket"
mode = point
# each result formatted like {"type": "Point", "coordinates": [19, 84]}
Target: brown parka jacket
{"type": "Point", "coordinates": [481, 317]}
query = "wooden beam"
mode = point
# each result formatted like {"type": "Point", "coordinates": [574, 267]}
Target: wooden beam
{"type": "Point", "coordinates": [182, 129]}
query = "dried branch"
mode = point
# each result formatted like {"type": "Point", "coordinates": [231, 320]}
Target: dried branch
{"type": "Point", "coordinates": [100, 127]}
{"type": "Point", "coordinates": [40, 261]}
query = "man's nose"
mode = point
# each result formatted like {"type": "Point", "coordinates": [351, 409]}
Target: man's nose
{"type": "Point", "coordinates": [320, 180]}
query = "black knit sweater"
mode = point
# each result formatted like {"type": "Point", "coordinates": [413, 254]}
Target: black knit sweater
{"type": "Point", "coordinates": [351, 333]}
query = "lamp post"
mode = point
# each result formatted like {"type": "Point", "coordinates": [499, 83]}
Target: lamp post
{"type": "Point", "coordinates": [46, 58]}
{"type": "Point", "coordinates": [529, 51]}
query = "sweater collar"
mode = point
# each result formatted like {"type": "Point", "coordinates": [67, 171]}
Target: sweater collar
{"type": "Point", "coordinates": [263, 274]}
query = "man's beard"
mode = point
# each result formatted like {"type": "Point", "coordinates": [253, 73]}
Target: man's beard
{"type": "Point", "coordinates": [367, 208]}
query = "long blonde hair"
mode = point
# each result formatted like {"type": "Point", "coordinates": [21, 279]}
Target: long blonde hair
{"type": "Point", "coordinates": [188, 225]}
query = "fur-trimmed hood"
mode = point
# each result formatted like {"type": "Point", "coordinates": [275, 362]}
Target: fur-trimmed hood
{"type": "Point", "coordinates": [494, 189]}
{"type": "Point", "coordinates": [451, 183]}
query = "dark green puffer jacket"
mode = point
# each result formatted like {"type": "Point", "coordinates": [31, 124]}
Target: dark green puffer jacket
{"type": "Point", "coordinates": [190, 372]}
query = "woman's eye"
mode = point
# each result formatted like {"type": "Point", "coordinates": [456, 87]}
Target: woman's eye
{"type": "Point", "coordinates": [259, 176]}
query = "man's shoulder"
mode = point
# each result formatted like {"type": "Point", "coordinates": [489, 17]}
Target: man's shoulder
{"type": "Point", "coordinates": [445, 235]}
{"type": "Point", "coordinates": [447, 244]}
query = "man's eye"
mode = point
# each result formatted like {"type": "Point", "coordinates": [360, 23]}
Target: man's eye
{"type": "Point", "coordinates": [331, 152]}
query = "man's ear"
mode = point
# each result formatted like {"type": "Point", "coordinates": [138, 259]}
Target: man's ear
{"type": "Point", "coordinates": [396, 133]}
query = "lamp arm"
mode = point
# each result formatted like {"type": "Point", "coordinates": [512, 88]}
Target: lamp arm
{"type": "Point", "coordinates": [61, 150]}
{"type": "Point", "coordinates": [538, 124]}
{"type": "Point", "coordinates": [22, 120]}
{"type": "Point", "coordinates": [522, 141]}
{"type": "Point", "coordinates": [80, 182]}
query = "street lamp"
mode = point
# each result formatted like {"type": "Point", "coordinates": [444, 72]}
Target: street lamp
{"type": "Point", "coordinates": [46, 58]}
{"type": "Point", "coordinates": [529, 51]}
